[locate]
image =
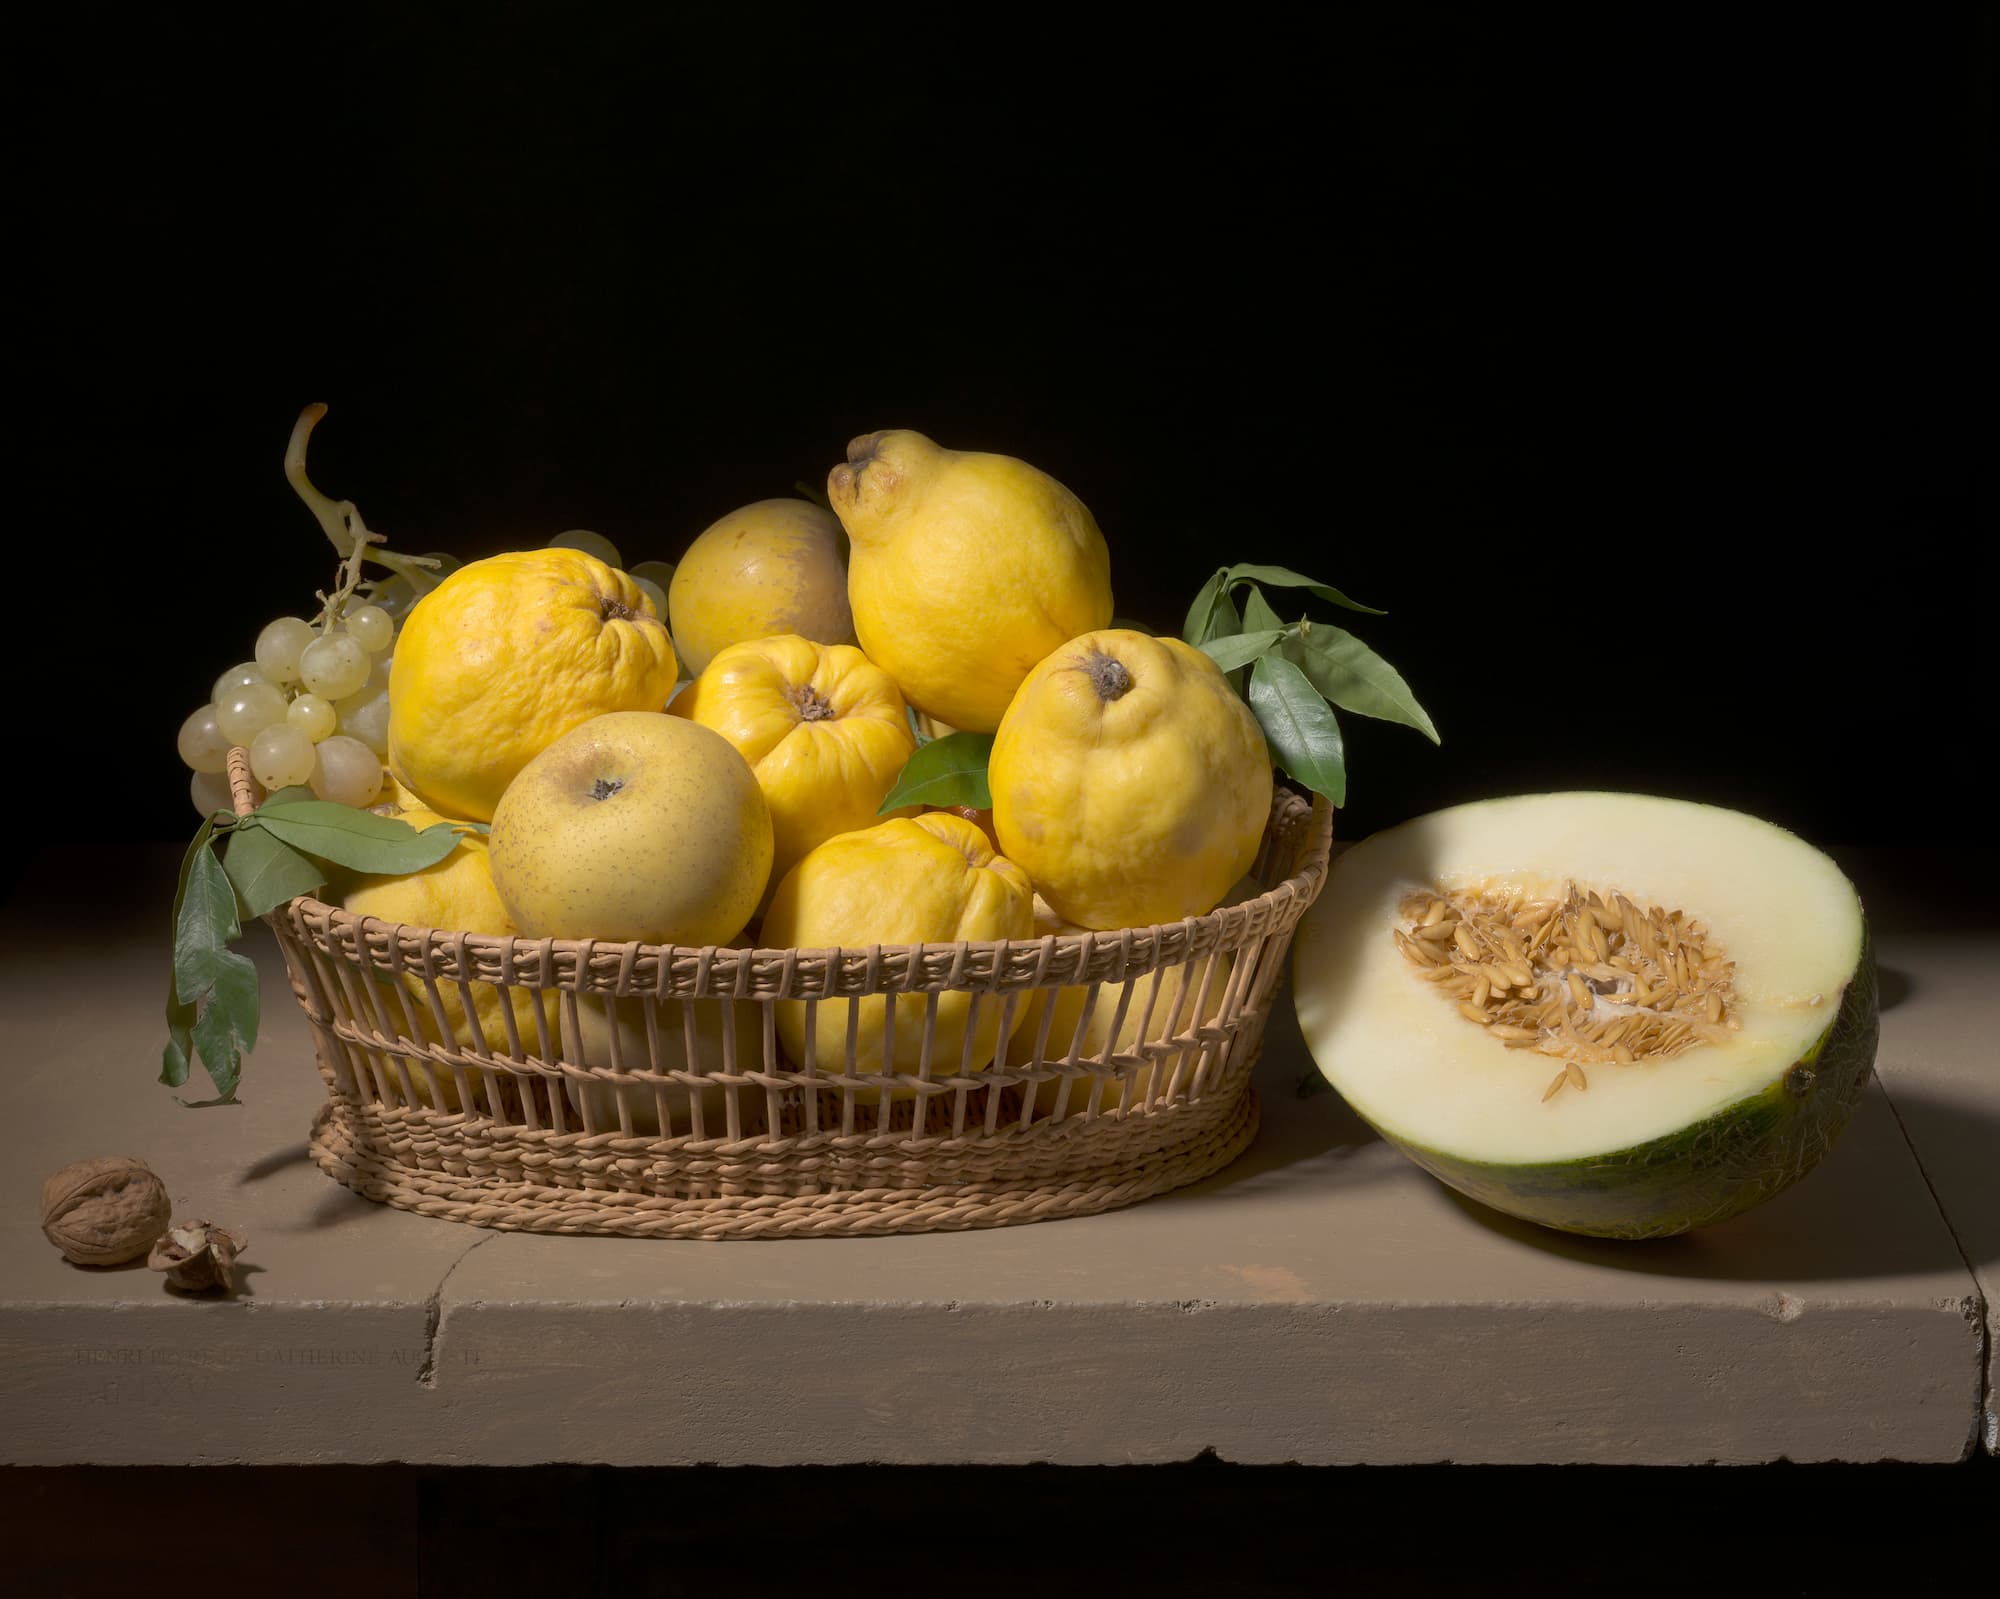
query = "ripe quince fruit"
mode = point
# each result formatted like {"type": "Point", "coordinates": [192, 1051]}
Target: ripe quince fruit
{"type": "Point", "coordinates": [821, 725]}
{"type": "Point", "coordinates": [455, 894]}
{"type": "Point", "coordinates": [772, 567]}
{"type": "Point", "coordinates": [1130, 781]}
{"type": "Point", "coordinates": [1181, 998]}
{"type": "Point", "coordinates": [932, 879]}
{"type": "Point", "coordinates": [504, 657]}
{"type": "Point", "coordinates": [587, 1038]}
{"type": "Point", "coordinates": [967, 569]}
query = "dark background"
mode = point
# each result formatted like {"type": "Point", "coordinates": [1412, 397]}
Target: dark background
{"type": "Point", "coordinates": [1628, 364]}
{"type": "Point", "coordinates": [1627, 360]}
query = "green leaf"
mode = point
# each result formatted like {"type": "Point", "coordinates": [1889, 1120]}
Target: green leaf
{"type": "Point", "coordinates": [220, 1055]}
{"type": "Point", "coordinates": [1356, 679]}
{"type": "Point", "coordinates": [1285, 578]}
{"type": "Point", "coordinates": [266, 871]}
{"type": "Point", "coordinates": [180, 1015]}
{"type": "Point", "coordinates": [1195, 630]}
{"type": "Point", "coordinates": [235, 995]}
{"type": "Point", "coordinates": [285, 796]}
{"type": "Point", "coordinates": [1299, 726]}
{"type": "Point", "coordinates": [202, 931]}
{"type": "Point", "coordinates": [175, 1057]}
{"type": "Point", "coordinates": [946, 771]}
{"type": "Point", "coordinates": [1240, 649]}
{"type": "Point", "coordinates": [359, 840]}
{"type": "Point", "coordinates": [1257, 612]}
{"type": "Point", "coordinates": [1213, 614]}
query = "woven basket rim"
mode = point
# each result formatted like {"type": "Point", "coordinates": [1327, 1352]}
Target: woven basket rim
{"type": "Point", "coordinates": [1227, 921]}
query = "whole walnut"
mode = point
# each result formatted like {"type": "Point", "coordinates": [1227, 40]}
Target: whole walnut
{"type": "Point", "coordinates": [106, 1211]}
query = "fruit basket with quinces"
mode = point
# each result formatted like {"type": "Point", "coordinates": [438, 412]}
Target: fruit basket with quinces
{"type": "Point", "coordinates": [857, 874]}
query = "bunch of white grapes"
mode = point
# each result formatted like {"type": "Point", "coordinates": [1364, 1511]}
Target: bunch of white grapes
{"type": "Point", "coordinates": [312, 707]}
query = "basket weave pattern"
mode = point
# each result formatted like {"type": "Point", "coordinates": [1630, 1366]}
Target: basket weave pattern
{"type": "Point", "coordinates": [689, 1121]}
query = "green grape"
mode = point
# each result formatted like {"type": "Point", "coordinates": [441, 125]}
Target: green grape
{"type": "Point", "coordinates": [233, 679]}
{"type": "Point", "coordinates": [371, 627]}
{"type": "Point", "coordinates": [210, 793]}
{"type": "Point", "coordinates": [201, 743]}
{"type": "Point", "coordinates": [590, 543]}
{"type": "Point", "coordinates": [312, 716]}
{"type": "Point", "coordinates": [333, 665]}
{"type": "Point", "coordinates": [655, 593]}
{"type": "Point", "coordinates": [279, 647]}
{"type": "Point", "coordinates": [394, 598]}
{"type": "Point", "coordinates": [366, 716]}
{"type": "Point", "coordinates": [346, 771]}
{"type": "Point", "coordinates": [660, 572]}
{"type": "Point", "coordinates": [280, 756]}
{"type": "Point", "coordinates": [248, 711]}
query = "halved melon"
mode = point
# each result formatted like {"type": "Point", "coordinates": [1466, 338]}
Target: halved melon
{"type": "Point", "coordinates": [1607, 1013]}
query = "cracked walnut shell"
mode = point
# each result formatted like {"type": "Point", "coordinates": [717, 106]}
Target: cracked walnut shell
{"type": "Point", "coordinates": [198, 1256]}
{"type": "Point", "coordinates": [106, 1211]}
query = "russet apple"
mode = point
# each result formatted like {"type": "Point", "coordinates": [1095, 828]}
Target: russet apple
{"type": "Point", "coordinates": [635, 825]}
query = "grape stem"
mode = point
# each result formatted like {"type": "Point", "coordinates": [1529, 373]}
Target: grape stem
{"type": "Point", "coordinates": [349, 535]}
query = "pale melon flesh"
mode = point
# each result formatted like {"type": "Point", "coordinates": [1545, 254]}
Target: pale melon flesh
{"type": "Point", "coordinates": [1644, 1149]}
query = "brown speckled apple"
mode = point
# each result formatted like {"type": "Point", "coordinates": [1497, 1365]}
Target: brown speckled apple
{"type": "Point", "coordinates": [635, 825]}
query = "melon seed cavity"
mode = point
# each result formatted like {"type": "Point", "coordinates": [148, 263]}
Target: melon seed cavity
{"type": "Point", "coordinates": [1591, 979]}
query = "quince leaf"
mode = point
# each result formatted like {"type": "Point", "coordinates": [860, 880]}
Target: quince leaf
{"type": "Point", "coordinates": [1257, 612]}
{"type": "Point", "coordinates": [1299, 726]}
{"type": "Point", "coordinates": [947, 771]}
{"type": "Point", "coordinates": [1356, 679]}
{"type": "Point", "coordinates": [1213, 614]}
{"type": "Point", "coordinates": [1240, 649]}
{"type": "Point", "coordinates": [1285, 578]}
{"type": "Point", "coordinates": [1195, 628]}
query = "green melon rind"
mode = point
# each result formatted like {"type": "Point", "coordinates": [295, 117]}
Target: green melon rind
{"type": "Point", "coordinates": [1706, 1172]}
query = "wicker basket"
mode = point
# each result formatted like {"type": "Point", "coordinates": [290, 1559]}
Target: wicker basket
{"type": "Point", "coordinates": [680, 1117]}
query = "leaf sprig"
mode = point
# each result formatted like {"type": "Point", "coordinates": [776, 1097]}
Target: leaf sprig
{"type": "Point", "coordinates": [1299, 671]}
{"type": "Point", "coordinates": [285, 847]}
{"type": "Point", "coordinates": [944, 771]}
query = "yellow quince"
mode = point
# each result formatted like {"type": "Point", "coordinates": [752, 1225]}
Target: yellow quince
{"type": "Point", "coordinates": [966, 570]}
{"type": "Point", "coordinates": [1130, 781]}
{"type": "Point", "coordinates": [455, 894]}
{"type": "Point", "coordinates": [821, 725]}
{"type": "Point", "coordinates": [504, 657]}
{"type": "Point", "coordinates": [772, 567]}
{"type": "Point", "coordinates": [589, 1040]}
{"type": "Point", "coordinates": [1181, 998]}
{"type": "Point", "coordinates": [932, 879]}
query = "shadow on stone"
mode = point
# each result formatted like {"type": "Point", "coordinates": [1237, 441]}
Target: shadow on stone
{"type": "Point", "coordinates": [277, 1161]}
